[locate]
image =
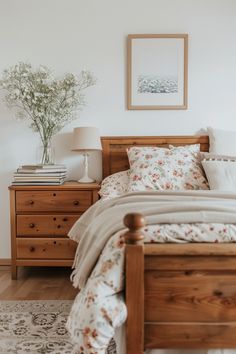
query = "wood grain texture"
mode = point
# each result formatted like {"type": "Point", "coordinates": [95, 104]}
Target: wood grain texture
{"type": "Point", "coordinates": [67, 186]}
{"type": "Point", "coordinates": [41, 217]}
{"type": "Point", "coordinates": [189, 263]}
{"type": "Point", "coordinates": [190, 335]}
{"type": "Point", "coordinates": [5, 261]}
{"type": "Point", "coordinates": [135, 299]}
{"type": "Point", "coordinates": [53, 201]}
{"type": "Point", "coordinates": [45, 225]}
{"type": "Point", "coordinates": [45, 262]}
{"type": "Point", "coordinates": [13, 233]}
{"type": "Point", "coordinates": [190, 296]}
{"type": "Point", "coordinates": [95, 195]}
{"type": "Point", "coordinates": [37, 284]}
{"type": "Point", "coordinates": [43, 248]}
{"type": "Point", "coordinates": [190, 249]}
{"type": "Point", "coordinates": [134, 222]}
{"type": "Point", "coordinates": [114, 148]}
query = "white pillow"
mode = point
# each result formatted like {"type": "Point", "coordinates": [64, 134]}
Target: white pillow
{"type": "Point", "coordinates": [177, 168]}
{"type": "Point", "coordinates": [209, 156]}
{"type": "Point", "coordinates": [222, 142]}
{"type": "Point", "coordinates": [221, 174]}
{"type": "Point", "coordinates": [114, 185]}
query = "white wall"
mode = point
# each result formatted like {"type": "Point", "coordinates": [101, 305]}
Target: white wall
{"type": "Point", "coordinates": [70, 35]}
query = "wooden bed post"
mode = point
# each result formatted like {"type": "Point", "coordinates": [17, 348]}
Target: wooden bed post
{"type": "Point", "coordinates": [134, 283]}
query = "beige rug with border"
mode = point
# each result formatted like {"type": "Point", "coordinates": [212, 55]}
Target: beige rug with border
{"type": "Point", "coordinates": [36, 327]}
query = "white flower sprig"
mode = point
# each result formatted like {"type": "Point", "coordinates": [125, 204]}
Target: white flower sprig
{"type": "Point", "coordinates": [48, 103]}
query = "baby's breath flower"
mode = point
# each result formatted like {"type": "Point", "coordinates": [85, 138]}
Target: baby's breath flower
{"type": "Point", "coordinates": [48, 103]}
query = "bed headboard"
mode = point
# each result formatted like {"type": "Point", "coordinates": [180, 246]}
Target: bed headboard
{"type": "Point", "coordinates": [114, 156]}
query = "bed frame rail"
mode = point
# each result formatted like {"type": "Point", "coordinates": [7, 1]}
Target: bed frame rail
{"type": "Point", "coordinates": [178, 296]}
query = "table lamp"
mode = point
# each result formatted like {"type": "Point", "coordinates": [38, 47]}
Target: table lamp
{"type": "Point", "coordinates": [86, 139]}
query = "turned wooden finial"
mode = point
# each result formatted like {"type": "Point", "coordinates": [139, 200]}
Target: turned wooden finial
{"type": "Point", "coordinates": [134, 222]}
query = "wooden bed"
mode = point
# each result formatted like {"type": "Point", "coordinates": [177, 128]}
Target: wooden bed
{"type": "Point", "coordinates": [177, 296]}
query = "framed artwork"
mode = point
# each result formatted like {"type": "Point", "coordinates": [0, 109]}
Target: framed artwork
{"type": "Point", "coordinates": [157, 71]}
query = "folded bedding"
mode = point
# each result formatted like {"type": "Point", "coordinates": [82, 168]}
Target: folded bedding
{"type": "Point", "coordinates": [188, 216]}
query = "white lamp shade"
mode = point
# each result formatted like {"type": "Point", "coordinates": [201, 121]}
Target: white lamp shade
{"type": "Point", "coordinates": [86, 138]}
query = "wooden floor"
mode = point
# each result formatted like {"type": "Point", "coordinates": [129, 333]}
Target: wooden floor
{"type": "Point", "coordinates": [37, 284]}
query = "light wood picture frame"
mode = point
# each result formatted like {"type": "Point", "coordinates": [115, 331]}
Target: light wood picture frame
{"type": "Point", "coordinates": [157, 71]}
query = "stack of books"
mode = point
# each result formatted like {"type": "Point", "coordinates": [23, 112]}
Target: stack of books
{"type": "Point", "coordinates": [37, 175]}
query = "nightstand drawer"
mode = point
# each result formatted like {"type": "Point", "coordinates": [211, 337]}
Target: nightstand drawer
{"type": "Point", "coordinates": [60, 201]}
{"type": "Point", "coordinates": [44, 225]}
{"type": "Point", "coordinates": [41, 217]}
{"type": "Point", "coordinates": [41, 248]}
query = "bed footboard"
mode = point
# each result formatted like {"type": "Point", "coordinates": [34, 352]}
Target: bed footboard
{"type": "Point", "coordinates": [178, 295]}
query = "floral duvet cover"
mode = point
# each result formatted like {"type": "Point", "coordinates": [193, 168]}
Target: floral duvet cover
{"type": "Point", "coordinates": [99, 308]}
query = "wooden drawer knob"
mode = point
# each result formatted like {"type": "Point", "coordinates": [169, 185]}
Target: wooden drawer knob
{"type": "Point", "coordinates": [65, 219]}
{"type": "Point", "coordinates": [31, 202]}
{"type": "Point", "coordinates": [32, 249]}
{"type": "Point", "coordinates": [31, 225]}
{"type": "Point", "coordinates": [76, 202]}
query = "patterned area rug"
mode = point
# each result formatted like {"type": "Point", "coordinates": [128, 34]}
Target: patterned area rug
{"type": "Point", "coordinates": [36, 327]}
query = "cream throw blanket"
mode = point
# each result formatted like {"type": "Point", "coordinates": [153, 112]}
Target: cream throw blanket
{"type": "Point", "coordinates": [105, 218]}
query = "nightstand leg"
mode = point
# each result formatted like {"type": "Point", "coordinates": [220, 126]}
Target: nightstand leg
{"type": "Point", "coordinates": [14, 272]}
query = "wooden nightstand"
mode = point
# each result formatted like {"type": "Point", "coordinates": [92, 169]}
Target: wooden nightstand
{"type": "Point", "coordinates": [41, 217]}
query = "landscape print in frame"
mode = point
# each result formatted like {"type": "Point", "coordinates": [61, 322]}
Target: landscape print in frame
{"type": "Point", "coordinates": [157, 71]}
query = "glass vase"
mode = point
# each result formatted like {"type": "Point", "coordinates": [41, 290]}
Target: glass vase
{"type": "Point", "coordinates": [45, 154]}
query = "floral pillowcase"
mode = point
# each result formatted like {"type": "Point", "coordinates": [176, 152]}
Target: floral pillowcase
{"type": "Point", "coordinates": [115, 185]}
{"type": "Point", "coordinates": [176, 168]}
